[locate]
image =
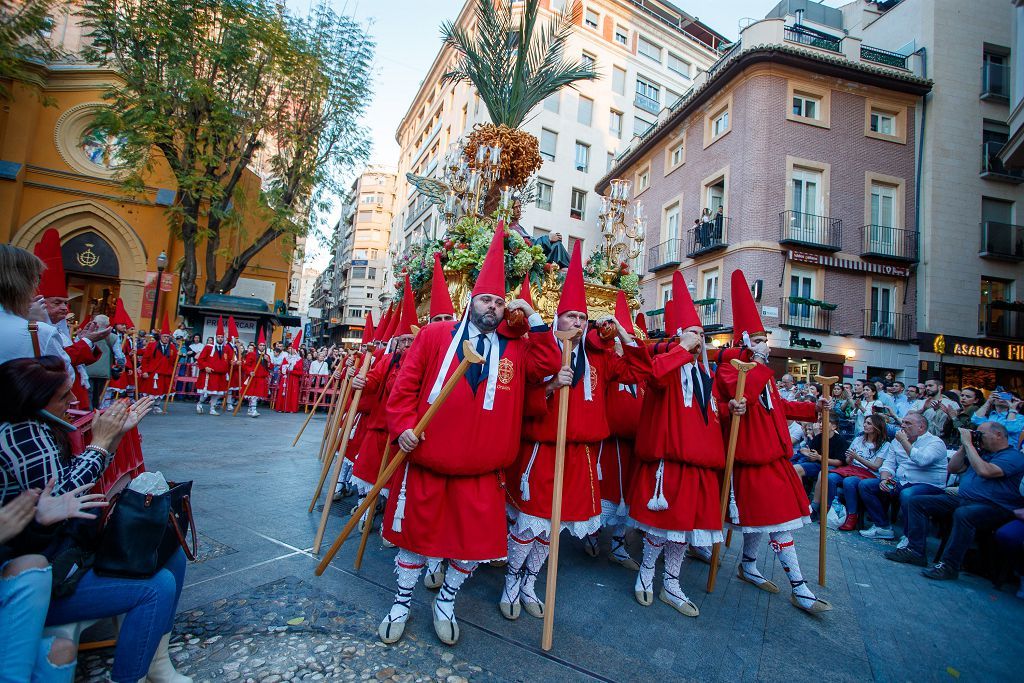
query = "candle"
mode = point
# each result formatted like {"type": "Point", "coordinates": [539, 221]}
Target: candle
{"type": "Point", "coordinates": [506, 197]}
{"type": "Point", "coordinates": [495, 155]}
{"type": "Point", "coordinates": [481, 154]}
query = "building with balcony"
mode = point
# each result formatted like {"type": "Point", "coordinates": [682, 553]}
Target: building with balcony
{"type": "Point", "coordinates": [793, 159]}
{"type": "Point", "coordinates": [353, 282]}
{"type": "Point", "coordinates": [970, 196]}
{"type": "Point", "coordinates": [648, 53]}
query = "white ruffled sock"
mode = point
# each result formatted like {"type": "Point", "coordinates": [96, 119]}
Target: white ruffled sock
{"type": "Point", "coordinates": [675, 554]}
{"type": "Point", "coordinates": [534, 561]}
{"type": "Point", "coordinates": [408, 566]}
{"type": "Point", "coordinates": [751, 542]}
{"type": "Point", "coordinates": [785, 549]}
{"type": "Point", "coordinates": [458, 572]}
{"type": "Point", "coordinates": [653, 545]}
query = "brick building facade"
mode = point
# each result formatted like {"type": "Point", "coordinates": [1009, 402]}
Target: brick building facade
{"type": "Point", "coordinates": [810, 154]}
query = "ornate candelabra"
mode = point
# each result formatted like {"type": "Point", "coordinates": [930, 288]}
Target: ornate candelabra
{"type": "Point", "coordinates": [469, 181]}
{"type": "Point", "coordinates": [623, 230]}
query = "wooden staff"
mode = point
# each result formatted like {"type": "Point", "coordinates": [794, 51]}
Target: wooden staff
{"type": "Point", "coordinates": [469, 357]}
{"type": "Point", "coordinates": [135, 367]}
{"type": "Point", "coordinates": [823, 501]}
{"type": "Point", "coordinates": [174, 375]}
{"type": "Point", "coordinates": [316, 405]}
{"type": "Point", "coordinates": [245, 389]}
{"type": "Point", "coordinates": [338, 455]}
{"type": "Point", "coordinates": [547, 635]}
{"type": "Point", "coordinates": [334, 417]}
{"type": "Point", "coordinates": [332, 440]}
{"type": "Point", "coordinates": [730, 458]}
{"type": "Point", "coordinates": [371, 511]}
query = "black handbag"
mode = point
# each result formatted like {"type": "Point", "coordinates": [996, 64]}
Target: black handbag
{"type": "Point", "coordinates": [143, 531]}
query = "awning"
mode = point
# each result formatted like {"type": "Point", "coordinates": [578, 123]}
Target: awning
{"type": "Point", "coordinates": [225, 304]}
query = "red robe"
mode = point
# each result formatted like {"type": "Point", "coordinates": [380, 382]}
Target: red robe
{"type": "Point", "coordinates": [257, 367]}
{"type": "Point", "coordinates": [369, 450]}
{"type": "Point", "coordinates": [454, 503]}
{"type": "Point", "coordinates": [368, 402]}
{"type": "Point", "coordinates": [681, 446]}
{"type": "Point", "coordinates": [159, 365]}
{"type": "Point", "coordinates": [127, 378]}
{"type": "Point", "coordinates": [532, 475]}
{"type": "Point", "coordinates": [769, 494]}
{"type": "Point", "coordinates": [219, 365]}
{"type": "Point", "coordinates": [80, 354]}
{"type": "Point", "coordinates": [289, 387]}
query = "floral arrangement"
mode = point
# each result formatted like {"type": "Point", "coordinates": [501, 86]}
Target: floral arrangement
{"type": "Point", "coordinates": [597, 263]}
{"type": "Point", "coordinates": [520, 156]}
{"type": "Point", "coordinates": [463, 249]}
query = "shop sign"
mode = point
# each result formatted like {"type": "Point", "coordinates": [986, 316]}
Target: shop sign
{"type": "Point", "coordinates": [839, 263]}
{"type": "Point", "coordinates": [944, 345]}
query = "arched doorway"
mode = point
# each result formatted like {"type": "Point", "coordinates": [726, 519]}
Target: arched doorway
{"type": "Point", "coordinates": [93, 274]}
{"type": "Point", "coordinates": [115, 261]}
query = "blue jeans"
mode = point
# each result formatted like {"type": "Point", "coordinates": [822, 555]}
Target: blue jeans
{"type": "Point", "coordinates": [875, 499]}
{"type": "Point", "coordinates": [24, 598]}
{"type": "Point", "coordinates": [148, 605]}
{"type": "Point", "coordinates": [850, 487]}
{"type": "Point", "coordinates": [1010, 539]}
{"type": "Point", "coordinates": [967, 518]}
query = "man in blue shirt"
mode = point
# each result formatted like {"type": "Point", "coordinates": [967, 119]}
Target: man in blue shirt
{"type": "Point", "coordinates": [901, 404]}
{"type": "Point", "coordinates": [989, 493]}
{"type": "Point", "coordinates": [1002, 407]}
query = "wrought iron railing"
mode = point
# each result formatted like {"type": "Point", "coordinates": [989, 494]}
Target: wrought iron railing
{"type": "Point", "coordinates": [992, 165]}
{"type": "Point", "coordinates": [885, 242]}
{"type": "Point", "coordinates": [811, 230]}
{"type": "Point", "coordinates": [668, 253]}
{"type": "Point", "coordinates": [812, 38]}
{"type": "Point", "coordinates": [880, 56]}
{"type": "Point", "coordinates": [708, 236]}
{"type": "Point", "coordinates": [996, 320]}
{"type": "Point", "coordinates": [1002, 241]}
{"type": "Point", "coordinates": [794, 313]}
{"type": "Point", "coordinates": [710, 312]}
{"type": "Point", "coordinates": [889, 325]}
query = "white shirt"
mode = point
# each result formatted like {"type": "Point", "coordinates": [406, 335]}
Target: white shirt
{"type": "Point", "coordinates": [276, 357]}
{"type": "Point", "coordinates": [16, 342]}
{"type": "Point", "coordinates": [924, 464]}
{"type": "Point", "coordinates": [319, 367]}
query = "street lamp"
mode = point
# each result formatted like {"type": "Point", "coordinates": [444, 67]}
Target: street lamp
{"type": "Point", "coordinates": [161, 265]}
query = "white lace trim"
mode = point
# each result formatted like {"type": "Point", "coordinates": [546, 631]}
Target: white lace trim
{"type": "Point", "coordinates": [701, 537]}
{"type": "Point", "coordinates": [784, 526]}
{"type": "Point", "coordinates": [363, 487]}
{"type": "Point", "coordinates": [614, 514]}
{"type": "Point", "coordinates": [524, 524]}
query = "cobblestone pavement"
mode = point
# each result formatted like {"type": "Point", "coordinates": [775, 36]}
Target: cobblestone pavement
{"type": "Point", "coordinates": [253, 609]}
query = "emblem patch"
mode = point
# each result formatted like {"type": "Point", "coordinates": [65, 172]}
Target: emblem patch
{"type": "Point", "coordinates": [506, 370]}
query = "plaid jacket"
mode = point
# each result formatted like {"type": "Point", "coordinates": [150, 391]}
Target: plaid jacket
{"type": "Point", "coordinates": [30, 457]}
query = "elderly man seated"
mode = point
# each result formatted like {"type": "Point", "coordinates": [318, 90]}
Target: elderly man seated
{"type": "Point", "coordinates": [990, 477]}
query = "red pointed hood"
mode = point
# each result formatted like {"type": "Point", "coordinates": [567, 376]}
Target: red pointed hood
{"type": "Point", "coordinates": [745, 318]}
{"type": "Point", "coordinates": [232, 328]}
{"type": "Point", "coordinates": [671, 317]}
{"type": "Point", "coordinates": [440, 299]}
{"type": "Point", "coordinates": [296, 341]}
{"type": "Point", "coordinates": [641, 324]}
{"type": "Point", "coordinates": [409, 317]}
{"type": "Point", "coordinates": [524, 291]}
{"type": "Point", "coordinates": [491, 279]}
{"type": "Point", "coordinates": [262, 338]}
{"type": "Point", "coordinates": [165, 325]}
{"type": "Point", "coordinates": [52, 282]}
{"type": "Point", "coordinates": [382, 326]}
{"type": "Point", "coordinates": [686, 312]}
{"type": "Point", "coordinates": [367, 329]}
{"type": "Point", "coordinates": [220, 326]}
{"type": "Point", "coordinates": [622, 312]}
{"type": "Point", "coordinates": [121, 316]}
{"type": "Point", "coordinates": [574, 298]}
{"type": "Point", "coordinates": [389, 333]}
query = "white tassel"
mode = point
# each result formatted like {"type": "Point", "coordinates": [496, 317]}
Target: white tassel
{"type": "Point", "coordinates": [396, 524]}
{"type": "Point", "coordinates": [600, 474]}
{"type": "Point", "coordinates": [734, 511]}
{"type": "Point", "coordinates": [524, 481]}
{"type": "Point", "coordinates": [658, 501]}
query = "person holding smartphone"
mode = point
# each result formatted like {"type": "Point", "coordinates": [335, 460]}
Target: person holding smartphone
{"type": "Point", "coordinates": [1001, 407]}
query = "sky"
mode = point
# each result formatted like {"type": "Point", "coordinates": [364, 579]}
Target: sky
{"type": "Point", "coordinates": [407, 34]}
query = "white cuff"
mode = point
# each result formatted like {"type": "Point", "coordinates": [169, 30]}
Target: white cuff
{"type": "Point", "coordinates": [535, 320]}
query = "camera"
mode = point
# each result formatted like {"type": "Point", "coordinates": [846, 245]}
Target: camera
{"type": "Point", "coordinates": [976, 439]}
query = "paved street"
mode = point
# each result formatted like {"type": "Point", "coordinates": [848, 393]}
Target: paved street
{"type": "Point", "coordinates": [253, 609]}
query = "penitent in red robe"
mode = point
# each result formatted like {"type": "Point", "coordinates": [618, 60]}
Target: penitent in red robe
{"type": "Point", "coordinates": [769, 494]}
{"type": "Point", "coordinates": [258, 367]}
{"type": "Point", "coordinates": [454, 503]}
{"type": "Point", "coordinates": [370, 451]}
{"type": "Point", "coordinates": [679, 452]}
{"type": "Point", "coordinates": [532, 475]}
{"type": "Point", "coordinates": [157, 362]}
{"type": "Point", "coordinates": [219, 362]}
{"type": "Point", "coordinates": [289, 388]}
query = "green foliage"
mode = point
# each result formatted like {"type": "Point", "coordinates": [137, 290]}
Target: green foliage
{"type": "Point", "coordinates": [514, 63]}
{"type": "Point", "coordinates": [218, 86]}
{"type": "Point", "coordinates": [597, 263]}
{"type": "Point", "coordinates": [24, 27]}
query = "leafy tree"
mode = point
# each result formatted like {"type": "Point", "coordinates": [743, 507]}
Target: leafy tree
{"type": "Point", "coordinates": [217, 86]}
{"type": "Point", "coordinates": [514, 63]}
{"type": "Point", "coordinates": [24, 26]}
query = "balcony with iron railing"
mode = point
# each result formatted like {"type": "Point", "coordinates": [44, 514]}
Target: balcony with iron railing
{"type": "Point", "coordinates": [995, 81]}
{"type": "Point", "coordinates": [889, 325]}
{"type": "Point", "coordinates": [708, 237]}
{"type": "Point", "coordinates": [992, 167]}
{"type": "Point", "coordinates": [877, 55]}
{"type": "Point", "coordinates": [896, 244]}
{"type": "Point", "coordinates": [1003, 320]}
{"type": "Point", "coordinates": [809, 37]}
{"type": "Point", "coordinates": [648, 104]}
{"type": "Point", "coordinates": [1002, 241]}
{"type": "Point", "coordinates": [809, 230]}
{"type": "Point", "coordinates": [668, 254]}
{"type": "Point", "coordinates": [710, 313]}
{"type": "Point", "coordinates": [795, 313]}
